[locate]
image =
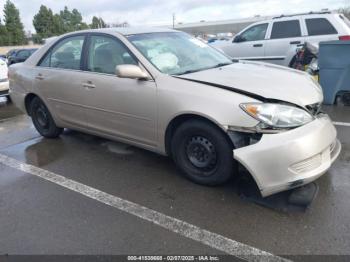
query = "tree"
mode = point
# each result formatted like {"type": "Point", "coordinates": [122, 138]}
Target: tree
{"type": "Point", "coordinates": [72, 20]}
{"type": "Point", "coordinates": [3, 34]}
{"type": "Point", "coordinates": [48, 24]}
{"type": "Point", "coordinates": [13, 24]}
{"type": "Point", "coordinates": [58, 26]}
{"type": "Point", "coordinates": [97, 22]}
{"type": "Point", "coordinates": [44, 22]}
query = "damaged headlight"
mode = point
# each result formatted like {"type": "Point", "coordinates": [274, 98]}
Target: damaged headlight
{"type": "Point", "coordinates": [277, 115]}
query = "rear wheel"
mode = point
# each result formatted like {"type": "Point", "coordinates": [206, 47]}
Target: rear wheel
{"type": "Point", "coordinates": [43, 120]}
{"type": "Point", "coordinates": [203, 153]}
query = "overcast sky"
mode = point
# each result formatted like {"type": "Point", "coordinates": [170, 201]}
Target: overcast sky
{"type": "Point", "coordinates": [159, 12]}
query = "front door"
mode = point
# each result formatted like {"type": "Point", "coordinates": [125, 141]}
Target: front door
{"type": "Point", "coordinates": [248, 45]}
{"type": "Point", "coordinates": [120, 107]}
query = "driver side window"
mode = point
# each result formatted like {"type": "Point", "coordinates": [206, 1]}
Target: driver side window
{"type": "Point", "coordinates": [254, 33]}
{"type": "Point", "coordinates": [105, 53]}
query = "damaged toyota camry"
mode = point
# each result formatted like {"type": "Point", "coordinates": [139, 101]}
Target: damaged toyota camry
{"type": "Point", "coordinates": [165, 91]}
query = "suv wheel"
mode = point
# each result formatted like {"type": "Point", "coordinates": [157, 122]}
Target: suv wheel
{"type": "Point", "coordinates": [203, 153]}
{"type": "Point", "coordinates": [43, 120]}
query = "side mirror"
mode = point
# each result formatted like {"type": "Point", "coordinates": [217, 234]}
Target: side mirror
{"type": "Point", "coordinates": [131, 71]}
{"type": "Point", "coordinates": [238, 39]}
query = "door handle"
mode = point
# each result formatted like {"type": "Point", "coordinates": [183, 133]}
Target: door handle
{"type": "Point", "coordinates": [89, 84]}
{"type": "Point", "coordinates": [295, 42]}
{"type": "Point", "coordinates": [40, 77]}
{"type": "Point", "coordinates": [258, 45]}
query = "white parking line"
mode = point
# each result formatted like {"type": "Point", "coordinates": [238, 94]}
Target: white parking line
{"type": "Point", "coordinates": [180, 227]}
{"type": "Point", "coordinates": [341, 124]}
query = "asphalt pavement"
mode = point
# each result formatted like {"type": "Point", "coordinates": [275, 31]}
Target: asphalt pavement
{"type": "Point", "coordinates": [148, 206]}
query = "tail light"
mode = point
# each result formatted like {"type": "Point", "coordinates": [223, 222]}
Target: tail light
{"type": "Point", "coordinates": [344, 37]}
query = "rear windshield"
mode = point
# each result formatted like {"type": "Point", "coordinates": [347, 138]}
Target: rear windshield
{"type": "Point", "coordinates": [347, 21]}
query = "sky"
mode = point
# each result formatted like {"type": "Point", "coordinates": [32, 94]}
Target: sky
{"type": "Point", "coordinates": [160, 12]}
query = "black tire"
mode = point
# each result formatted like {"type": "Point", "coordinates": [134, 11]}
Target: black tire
{"type": "Point", "coordinates": [203, 153]}
{"type": "Point", "coordinates": [8, 99]}
{"type": "Point", "coordinates": [292, 62]}
{"type": "Point", "coordinates": [346, 99]}
{"type": "Point", "coordinates": [43, 120]}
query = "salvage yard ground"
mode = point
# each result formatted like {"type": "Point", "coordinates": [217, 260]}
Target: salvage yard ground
{"type": "Point", "coordinates": [81, 194]}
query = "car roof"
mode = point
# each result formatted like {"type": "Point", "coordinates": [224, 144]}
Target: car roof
{"type": "Point", "coordinates": [132, 30]}
{"type": "Point", "coordinates": [293, 17]}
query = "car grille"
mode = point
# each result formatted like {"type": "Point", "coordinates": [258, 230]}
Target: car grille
{"type": "Point", "coordinates": [307, 164]}
{"type": "Point", "coordinates": [314, 161]}
{"type": "Point", "coordinates": [314, 109]}
{"type": "Point", "coordinates": [3, 80]}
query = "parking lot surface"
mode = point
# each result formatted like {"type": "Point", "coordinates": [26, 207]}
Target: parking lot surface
{"type": "Point", "coordinates": [41, 217]}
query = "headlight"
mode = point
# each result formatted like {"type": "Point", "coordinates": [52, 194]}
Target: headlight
{"type": "Point", "coordinates": [277, 115]}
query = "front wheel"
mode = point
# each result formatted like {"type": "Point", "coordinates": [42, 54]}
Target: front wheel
{"type": "Point", "coordinates": [43, 120]}
{"type": "Point", "coordinates": [203, 153]}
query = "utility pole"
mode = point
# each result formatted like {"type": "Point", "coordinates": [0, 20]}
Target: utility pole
{"type": "Point", "coordinates": [174, 20]}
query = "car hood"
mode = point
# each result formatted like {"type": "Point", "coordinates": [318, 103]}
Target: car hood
{"type": "Point", "coordinates": [264, 80]}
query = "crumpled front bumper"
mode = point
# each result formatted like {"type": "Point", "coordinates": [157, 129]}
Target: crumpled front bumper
{"type": "Point", "coordinates": [282, 161]}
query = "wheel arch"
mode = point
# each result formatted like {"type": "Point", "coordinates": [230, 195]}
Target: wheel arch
{"type": "Point", "coordinates": [178, 120]}
{"type": "Point", "coordinates": [28, 99]}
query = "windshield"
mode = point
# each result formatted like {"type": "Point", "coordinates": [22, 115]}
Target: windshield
{"type": "Point", "coordinates": [178, 53]}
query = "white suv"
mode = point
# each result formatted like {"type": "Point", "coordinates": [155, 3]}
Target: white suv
{"type": "Point", "coordinates": [276, 40]}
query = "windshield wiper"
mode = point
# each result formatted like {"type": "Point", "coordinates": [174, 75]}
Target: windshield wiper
{"type": "Point", "coordinates": [202, 69]}
{"type": "Point", "coordinates": [191, 71]}
{"type": "Point", "coordinates": [221, 64]}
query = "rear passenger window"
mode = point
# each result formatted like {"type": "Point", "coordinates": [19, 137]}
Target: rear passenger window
{"type": "Point", "coordinates": [286, 29]}
{"type": "Point", "coordinates": [66, 54]}
{"type": "Point", "coordinates": [320, 26]}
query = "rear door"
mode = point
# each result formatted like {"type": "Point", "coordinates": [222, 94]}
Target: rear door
{"type": "Point", "coordinates": [284, 36]}
{"type": "Point", "coordinates": [58, 77]}
{"type": "Point", "coordinates": [250, 44]}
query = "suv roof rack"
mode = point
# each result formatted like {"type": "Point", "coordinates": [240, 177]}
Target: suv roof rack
{"type": "Point", "coordinates": [309, 13]}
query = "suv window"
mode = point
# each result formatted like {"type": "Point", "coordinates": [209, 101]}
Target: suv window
{"type": "Point", "coordinates": [105, 53]}
{"type": "Point", "coordinates": [66, 54]}
{"type": "Point", "coordinates": [286, 29]}
{"type": "Point", "coordinates": [255, 33]}
{"type": "Point", "coordinates": [320, 26]}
